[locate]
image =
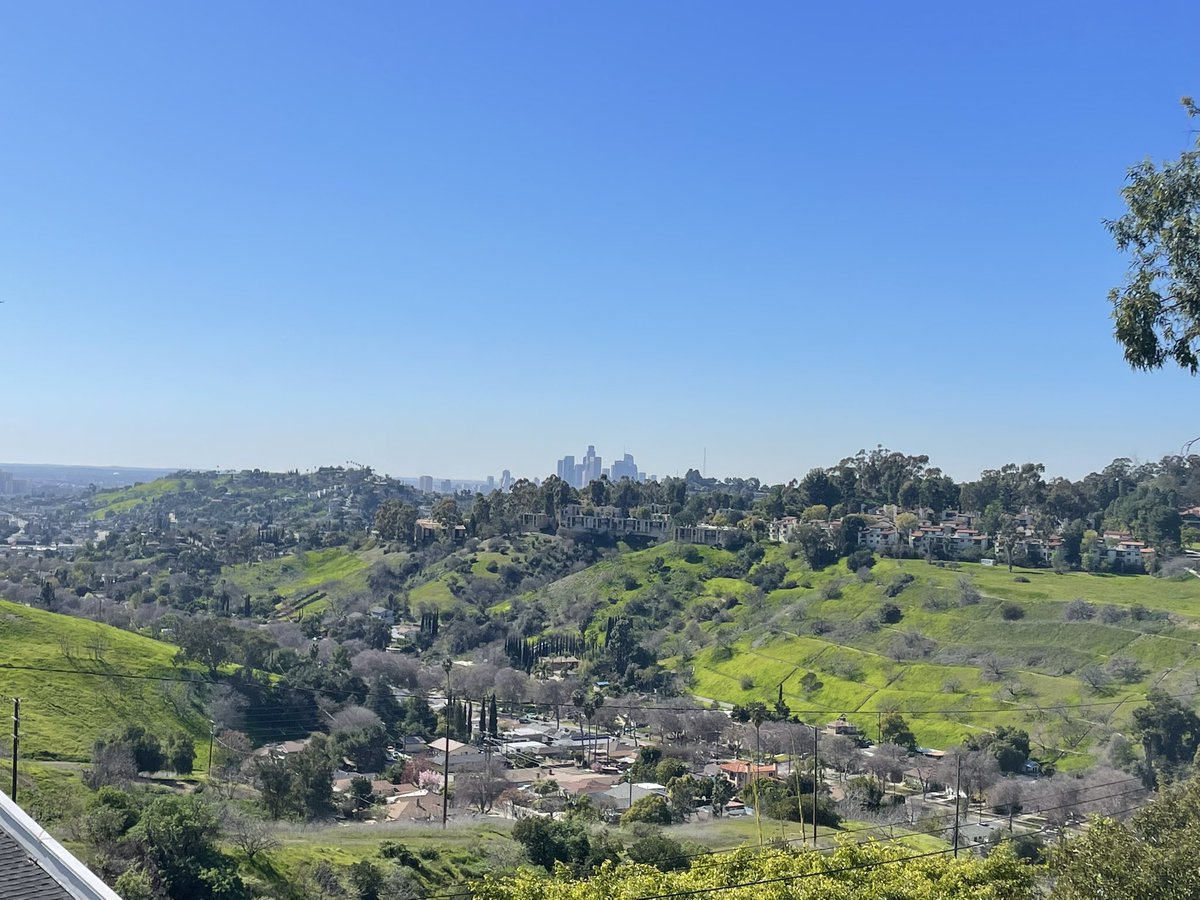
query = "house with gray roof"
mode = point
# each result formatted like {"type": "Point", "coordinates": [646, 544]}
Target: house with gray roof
{"type": "Point", "coordinates": [34, 866]}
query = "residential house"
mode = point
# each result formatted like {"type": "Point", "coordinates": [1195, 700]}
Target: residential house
{"type": "Point", "coordinates": [708, 535]}
{"type": "Point", "coordinates": [612, 520]}
{"type": "Point", "coordinates": [840, 726]}
{"type": "Point", "coordinates": [741, 773]}
{"type": "Point", "coordinates": [34, 866]}
{"type": "Point", "coordinates": [781, 530]}
{"type": "Point", "coordinates": [948, 539]}
{"type": "Point", "coordinates": [413, 804]}
{"type": "Point", "coordinates": [561, 665]}
{"type": "Point", "coordinates": [620, 797]}
{"type": "Point", "coordinates": [428, 529]}
{"type": "Point", "coordinates": [535, 521]}
{"type": "Point", "coordinates": [880, 535]}
{"type": "Point", "coordinates": [463, 757]}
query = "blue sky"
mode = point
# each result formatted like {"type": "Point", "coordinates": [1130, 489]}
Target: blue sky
{"type": "Point", "coordinates": [451, 238]}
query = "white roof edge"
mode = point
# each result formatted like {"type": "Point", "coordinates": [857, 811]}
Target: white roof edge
{"type": "Point", "coordinates": [76, 878]}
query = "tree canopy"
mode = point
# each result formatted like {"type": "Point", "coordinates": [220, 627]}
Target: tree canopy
{"type": "Point", "coordinates": [1157, 309]}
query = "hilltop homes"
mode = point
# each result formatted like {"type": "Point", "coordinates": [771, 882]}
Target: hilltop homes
{"type": "Point", "coordinates": [958, 535]}
{"type": "Point", "coordinates": [655, 523]}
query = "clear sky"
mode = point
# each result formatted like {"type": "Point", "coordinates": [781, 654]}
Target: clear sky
{"type": "Point", "coordinates": [451, 238]}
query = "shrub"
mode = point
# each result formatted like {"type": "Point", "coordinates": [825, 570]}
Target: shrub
{"type": "Point", "coordinates": [897, 584]}
{"type": "Point", "coordinates": [652, 809]}
{"type": "Point", "coordinates": [1125, 669]}
{"type": "Point", "coordinates": [859, 559]}
{"type": "Point", "coordinates": [911, 645]}
{"type": "Point", "coordinates": [1011, 611]}
{"type": "Point", "coordinates": [747, 683]}
{"type": "Point", "coordinates": [968, 594]}
{"type": "Point", "coordinates": [845, 667]}
{"type": "Point", "coordinates": [660, 851]}
{"type": "Point", "coordinates": [890, 614]}
{"type": "Point", "coordinates": [832, 590]}
{"type": "Point", "coordinates": [1020, 579]}
{"type": "Point", "coordinates": [1079, 610]}
{"type": "Point", "coordinates": [936, 602]}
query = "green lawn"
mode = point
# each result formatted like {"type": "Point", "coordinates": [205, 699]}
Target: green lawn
{"type": "Point", "coordinates": [64, 713]}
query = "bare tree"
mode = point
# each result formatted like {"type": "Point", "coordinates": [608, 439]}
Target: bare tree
{"type": "Point", "coordinates": [353, 718]}
{"type": "Point", "coordinates": [511, 687]}
{"type": "Point", "coordinates": [842, 754]}
{"type": "Point", "coordinates": [251, 836]}
{"type": "Point", "coordinates": [113, 765]}
{"type": "Point", "coordinates": [1096, 678]}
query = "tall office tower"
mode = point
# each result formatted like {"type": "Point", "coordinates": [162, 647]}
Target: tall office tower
{"type": "Point", "coordinates": [592, 466]}
{"type": "Point", "coordinates": [506, 480]}
{"type": "Point", "coordinates": [447, 487]}
{"type": "Point", "coordinates": [624, 468]}
{"type": "Point", "coordinates": [566, 470]}
{"type": "Point", "coordinates": [425, 484]}
{"type": "Point", "coordinates": [491, 483]}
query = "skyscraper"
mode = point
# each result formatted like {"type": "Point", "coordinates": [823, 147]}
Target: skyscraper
{"type": "Point", "coordinates": [592, 466]}
{"type": "Point", "coordinates": [425, 484]}
{"type": "Point", "coordinates": [566, 470]}
{"type": "Point", "coordinates": [624, 468]}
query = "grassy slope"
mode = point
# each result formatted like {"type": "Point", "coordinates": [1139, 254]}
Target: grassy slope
{"type": "Point", "coordinates": [63, 714]}
{"type": "Point", "coordinates": [774, 643]}
{"type": "Point", "coordinates": [336, 571]}
{"type": "Point", "coordinates": [126, 499]}
{"type": "Point", "coordinates": [458, 855]}
{"type": "Point", "coordinates": [1043, 651]}
{"type": "Point", "coordinates": [465, 852]}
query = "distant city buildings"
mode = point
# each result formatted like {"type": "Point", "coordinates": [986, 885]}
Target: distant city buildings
{"type": "Point", "coordinates": [14, 487]}
{"type": "Point", "coordinates": [425, 484]}
{"type": "Point", "coordinates": [591, 468]}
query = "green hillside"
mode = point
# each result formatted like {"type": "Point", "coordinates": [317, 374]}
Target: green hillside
{"type": "Point", "coordinates": [63, 713]}
{"type": "Point", "coordinates": [108, 503]}
{"type": "Point", "coordinates": [311, 576]}
{"type": "Point", "coordinates": [975, 646]}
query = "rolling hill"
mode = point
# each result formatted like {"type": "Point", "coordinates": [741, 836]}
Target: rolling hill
{"type": "Point", "coordinates": [64, 670]}
{"type": "Point", "coordinates": [958, 648]}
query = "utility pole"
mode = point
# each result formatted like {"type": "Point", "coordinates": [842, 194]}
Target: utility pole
{"type": "Point", "coordinates": [447, 664]}
{"type": "Point", "coordinates": [16, 744]}
{"type": "Point", "coordinates": [816, 779]}
{"type": "Point", "coordinates": [957, 788]}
